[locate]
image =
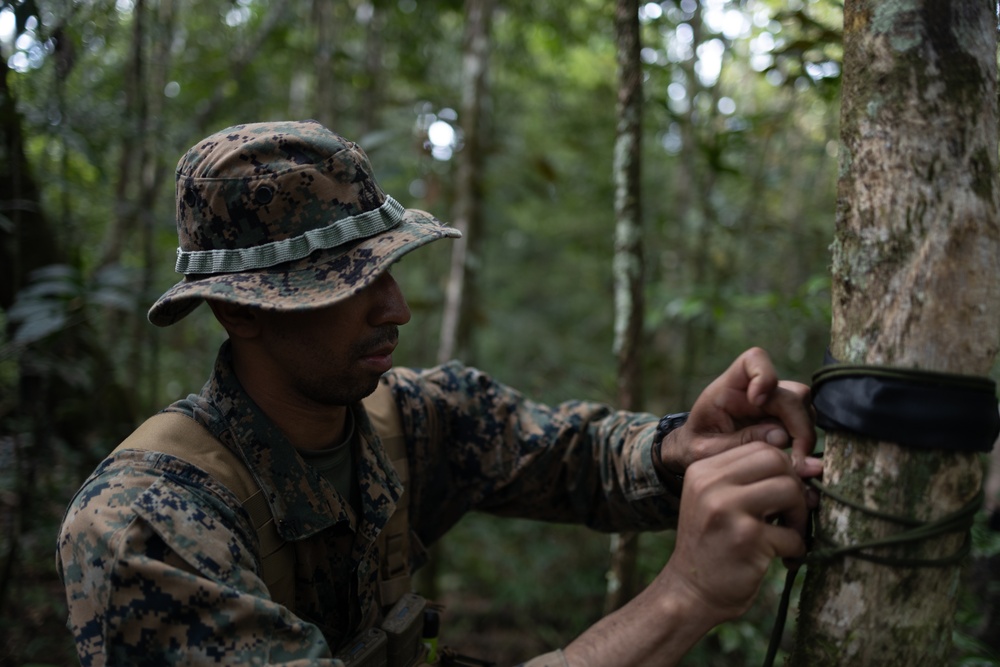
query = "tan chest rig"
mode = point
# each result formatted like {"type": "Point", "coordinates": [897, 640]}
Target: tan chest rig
{"type": "Point", "coordinates": [398, 642]}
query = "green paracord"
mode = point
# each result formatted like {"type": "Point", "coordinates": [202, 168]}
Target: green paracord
{"type": "Point", "coordinates": [916, 409]}
{"type": "Point", "coordinates": [960, 521]}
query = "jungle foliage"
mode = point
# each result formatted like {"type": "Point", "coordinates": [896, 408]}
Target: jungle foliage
{"type": "Point", "coordinates": [99, 99]}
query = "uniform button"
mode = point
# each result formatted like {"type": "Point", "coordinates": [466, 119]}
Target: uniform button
{"type": "Point", "coordinates": [264, 194]}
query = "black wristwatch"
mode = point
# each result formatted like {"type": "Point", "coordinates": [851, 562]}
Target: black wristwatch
{"type": "Point", "coordinates": [669, 423]}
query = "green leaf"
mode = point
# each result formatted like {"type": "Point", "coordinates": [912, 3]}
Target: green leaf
{"type": "Point", "coordinates": [40, 325]}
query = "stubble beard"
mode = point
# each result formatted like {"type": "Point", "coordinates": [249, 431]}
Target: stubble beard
{"type": "Point", "coordinates": [349, 385]}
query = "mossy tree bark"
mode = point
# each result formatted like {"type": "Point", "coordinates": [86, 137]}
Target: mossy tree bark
{"type": "Point", "coordinates": [915, 263]}
{"type": "Point", "coordinates": [629, 267]}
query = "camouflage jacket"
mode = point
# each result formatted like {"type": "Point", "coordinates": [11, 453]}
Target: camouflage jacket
{"type": "Point", "coordinates": [161, 562]}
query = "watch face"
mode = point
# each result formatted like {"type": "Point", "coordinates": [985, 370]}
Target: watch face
{"type": "Point", "coordinates": [678, 419]}
{"type": "Point", "coordinates": [669, 423]}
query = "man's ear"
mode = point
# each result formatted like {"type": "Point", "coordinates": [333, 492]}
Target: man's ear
{"type": "Point", "coordinates": [238, 320]}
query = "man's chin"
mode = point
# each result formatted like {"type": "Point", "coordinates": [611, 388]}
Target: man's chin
{"type": "Point", "coordinates": [346, 393]}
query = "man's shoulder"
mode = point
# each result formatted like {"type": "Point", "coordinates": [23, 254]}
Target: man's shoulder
{"type": "Point", "coordinates": [140, 519]}
{"type": "Point", "coordinates": [122, 485]}
{"type": "Point", "coordinates": [446, 377]}
{"type": "Point", "coordinates": [125, 474]}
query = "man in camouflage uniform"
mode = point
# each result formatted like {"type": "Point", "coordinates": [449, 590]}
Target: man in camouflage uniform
{"type": "Point", "coordinates": [285, 233]}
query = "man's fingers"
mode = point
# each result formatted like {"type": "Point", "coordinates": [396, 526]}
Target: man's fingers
{"type": "Point", "coordinates": [762, 480]}
{"type": "Point", "coordinates": [785, 418]}
{"type": "Point", "coordinates": [748, 403]}
{"type": "Point", "coordinates": [786, 542]}
{"type": "Point", "coordinates": [747, 464]}
{"type": "Point", "coordinates": [760, 377]}
{"type": "Point", "coordinates": [809, 467]}
{"type": "Point", "coordinates": [745, 385]}
{"type": "Point", "coordinates": [752, 374]}
{"type": "Point", "coordinates": [783, 496]}
{"type": "Point", "coordinates": [802, 444]}
{"type": "Point", "coordinates": [771, 433]}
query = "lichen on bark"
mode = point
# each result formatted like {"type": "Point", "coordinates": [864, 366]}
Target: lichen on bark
{"type": "Point", "coordinates": [915, 259]}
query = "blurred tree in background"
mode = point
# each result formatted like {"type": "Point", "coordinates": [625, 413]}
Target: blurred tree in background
{"type": "Point", "coordinates": [99, 99]}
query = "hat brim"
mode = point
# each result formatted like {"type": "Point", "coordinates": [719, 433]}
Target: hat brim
{"type": "Point", "coordinates": [321, 279]}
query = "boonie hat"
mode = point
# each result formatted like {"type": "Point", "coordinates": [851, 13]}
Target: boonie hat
{"type": "Point", "coordinates": [284, 216]}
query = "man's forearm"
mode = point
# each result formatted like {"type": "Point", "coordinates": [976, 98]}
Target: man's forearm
{"type": "Point", "coordinates": [657, 627]}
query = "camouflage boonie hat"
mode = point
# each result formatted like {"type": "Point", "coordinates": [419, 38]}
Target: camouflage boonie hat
{"type": "Point", "coordinates": [284, 216]}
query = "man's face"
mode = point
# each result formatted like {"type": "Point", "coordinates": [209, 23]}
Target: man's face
{"type": "Point", "coordinates": [336, 355]}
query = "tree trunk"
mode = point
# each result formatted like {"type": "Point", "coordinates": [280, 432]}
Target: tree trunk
{"type": "Point", "coordinates": [628, 267]}
{"type": "Point", "coordinates": [27, 242]}
{"type": "Point", "coordinates": [141, 172]}
{"type": "Point", "coordinates": [154, 175]}
{"type": "Point", "coordinates": [915, 264]}
{"type": "Point", "coordinates": [985, 570]}
{"type": "Point", "coordinates": [371, 91]}
{"type": "Point", "coordinates": [27, 239]}
{"type": "Point", "coordinates": [456, 324]}
{"type": "Point", "coordinates": [696, 185]}
{"type": "Point", "coordinates": [468, 209]}
{"type": "Point", "coordinates": [324, 107]}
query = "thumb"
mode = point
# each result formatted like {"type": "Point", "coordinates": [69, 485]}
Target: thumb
{"type": "Point", "coordinates": [776, 436]}
{"type": "Point", "coordinates": [773, 434]}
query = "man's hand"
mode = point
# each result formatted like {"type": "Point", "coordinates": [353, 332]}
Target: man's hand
{"type": "Point", "coordinates": [740, 509]}
{"type": "Point", "coordinates": [747, 403]}
{"type": "Point", "coordinates": [743, 505]}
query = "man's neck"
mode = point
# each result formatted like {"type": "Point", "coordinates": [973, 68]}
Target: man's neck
{"type": "Point", "coordinates": [306, 424]}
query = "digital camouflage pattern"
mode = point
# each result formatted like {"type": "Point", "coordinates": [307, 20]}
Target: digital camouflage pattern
{"type": "Point", "coordinates": [286, 216]}
{"type": "Point", "coordinates": [161, 564]}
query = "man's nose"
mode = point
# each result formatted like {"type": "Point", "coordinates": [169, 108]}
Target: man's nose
{"type": "Point", "coordinates": [390, 304]}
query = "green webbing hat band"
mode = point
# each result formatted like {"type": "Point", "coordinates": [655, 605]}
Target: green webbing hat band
{"type": "Point", "coordinates": [233, 260]}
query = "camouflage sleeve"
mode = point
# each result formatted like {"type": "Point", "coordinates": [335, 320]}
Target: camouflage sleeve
{"type": "Point", "coordinates": [159, 569]}
{"type": "Point", "coordinates": [480, 445]}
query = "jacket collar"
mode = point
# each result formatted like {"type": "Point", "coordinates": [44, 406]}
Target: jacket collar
{"type": "Point", "coordinates": [301, 501]}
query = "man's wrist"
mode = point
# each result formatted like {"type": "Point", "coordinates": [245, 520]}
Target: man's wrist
{"type": "Point", "coordinates": [701, 613]}
{"type": "Point", "coordinates": [673, 479]}
{"type": "Point", "coordinates": [669, 423]}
